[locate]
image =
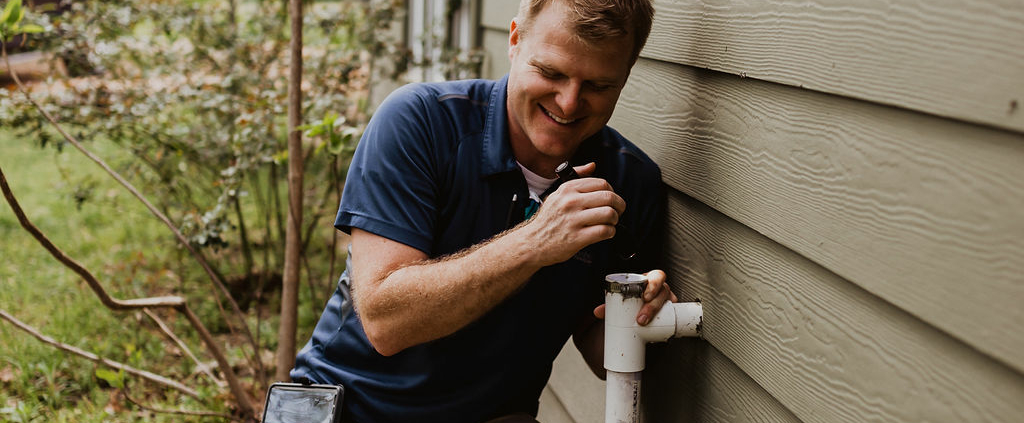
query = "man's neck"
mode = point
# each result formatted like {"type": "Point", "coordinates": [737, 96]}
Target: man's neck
{"type": "Point", "coordinates": [528, 156]}
{"type": "Point", "coordinates": [542, 166]}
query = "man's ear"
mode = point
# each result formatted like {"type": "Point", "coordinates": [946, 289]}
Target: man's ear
{"type": "Point", "coordinates": [513, 37]}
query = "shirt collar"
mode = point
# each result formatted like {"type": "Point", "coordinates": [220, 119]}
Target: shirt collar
{"type": "Point", "coordinates": [497, 154]}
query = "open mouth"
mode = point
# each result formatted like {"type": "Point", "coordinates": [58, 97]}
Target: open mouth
{"type": "Point", "coordinates": [556, 118]}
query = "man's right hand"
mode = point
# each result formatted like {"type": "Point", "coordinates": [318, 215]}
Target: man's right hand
{"type": "Point", "coordinates": [579, 213]}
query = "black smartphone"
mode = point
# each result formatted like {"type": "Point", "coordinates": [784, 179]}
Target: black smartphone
{"type": "Point", "coordinates": [298, 403]}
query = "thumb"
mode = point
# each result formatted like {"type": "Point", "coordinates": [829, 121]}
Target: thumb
{"type": "Point", "coordinates": [586, 170]}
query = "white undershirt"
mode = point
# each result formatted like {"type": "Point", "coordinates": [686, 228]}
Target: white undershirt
{"type": "Point", "coordinates": [536, 183]}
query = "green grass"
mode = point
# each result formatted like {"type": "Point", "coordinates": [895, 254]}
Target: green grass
{"type": "Point", "coordinates": [117, 239]}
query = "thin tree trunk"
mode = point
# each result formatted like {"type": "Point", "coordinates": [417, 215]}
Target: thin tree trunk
{"type": "Point", "coordinates": [250, 265]}
{"type": "Point", "coordinates": [275, 195]}
{"type": "Point", "coordinates": [293, 234]}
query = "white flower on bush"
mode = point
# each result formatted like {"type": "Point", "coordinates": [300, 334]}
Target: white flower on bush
{"type": "Point", "coordinates": [106, 48]}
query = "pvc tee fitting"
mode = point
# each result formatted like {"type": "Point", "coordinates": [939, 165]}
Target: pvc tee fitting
{"type": "Point", "coordinates": [624, 338]}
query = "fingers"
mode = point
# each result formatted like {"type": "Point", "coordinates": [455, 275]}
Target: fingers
{"type": "Point", "coordinates": [587, 193]}
{"type": "Point", "coordinates": [655, 284]}
{"type": "Point", "coordinates": [585, 170]}
{"type": "Point", "coordinates": [655, 296]}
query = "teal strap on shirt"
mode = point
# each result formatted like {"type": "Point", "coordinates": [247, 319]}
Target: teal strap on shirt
{"type": "Point", "coordinates": [531, 209]}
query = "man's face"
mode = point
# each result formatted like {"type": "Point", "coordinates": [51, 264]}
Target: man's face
{"type": "Point", "coordinates": [561, 90]}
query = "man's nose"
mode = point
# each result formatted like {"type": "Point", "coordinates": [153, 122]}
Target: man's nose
{"type": "Point", "coordinates": [568, 98]}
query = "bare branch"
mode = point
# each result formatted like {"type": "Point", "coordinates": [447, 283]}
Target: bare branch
{"type": "Point", "coordinates": [246, 402]}
{"type": "Point", "coordinates": [124, 391]}
{"type": "Point", "coordinates": [181, 344]}
{"type": "Point", "coordinates": [152, 377]}
{"type": "Point", "coordinates": [77, 267]}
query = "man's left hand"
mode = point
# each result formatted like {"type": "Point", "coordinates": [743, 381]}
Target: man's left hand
{"type": "Point", "coordinates": [655, 296]}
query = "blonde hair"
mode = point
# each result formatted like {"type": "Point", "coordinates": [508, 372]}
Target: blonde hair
{"type": "Point", "coordinates": [598, 20]}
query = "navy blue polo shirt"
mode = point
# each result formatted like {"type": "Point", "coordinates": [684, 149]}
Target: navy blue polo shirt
{"type": "Point", "coordinates": [434, 170]}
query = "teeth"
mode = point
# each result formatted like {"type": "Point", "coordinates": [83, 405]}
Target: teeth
{"type": "Point", "coordinates": [558, 119]}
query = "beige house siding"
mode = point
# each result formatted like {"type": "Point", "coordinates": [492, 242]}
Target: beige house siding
{"type": "Point", "coordinates": [846, 199]}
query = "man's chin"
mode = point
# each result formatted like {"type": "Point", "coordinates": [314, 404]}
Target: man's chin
{"type": "Point", "coordinates": [560, 149]}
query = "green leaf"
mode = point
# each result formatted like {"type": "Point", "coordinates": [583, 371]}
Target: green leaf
{"type": "Point", "coordinates": [9, 11]}
{"type": "Point", "coordinates": [31, 29]}
{"type": "Point", "coordinates": [115, 379]}
{"type": "Point", "coordinates": [335, 144]}
{"type": "Point", "coordinates": [281, 157]}
{"type": "Point", "coordinates": [315, 131]}
{"type": "Point", "coordinates": [13, 12]}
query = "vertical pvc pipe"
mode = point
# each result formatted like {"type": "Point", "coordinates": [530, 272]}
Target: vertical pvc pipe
{"type": "Point", "coordinates": [623, 397]}
{"type": "Point", "coordinates": [625, 341]}
{"type": "Point", "coordinates": [624, 349]}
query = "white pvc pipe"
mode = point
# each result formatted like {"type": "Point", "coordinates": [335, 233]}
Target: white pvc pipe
{"type": "Point", "coordinates": [625, 341]}
{"type": "Point", "coordinates": [625, 388]}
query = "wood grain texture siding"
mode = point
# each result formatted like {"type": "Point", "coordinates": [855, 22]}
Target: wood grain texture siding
{"type": "Point", "coordinates": [497, 14]}
{"type": "Point", "coordinates": [686, 381]}
{"type": "Point", "coordinates": [957, 59]}
{"type": "Point", "coordinates": [921, 211]}
{"type": "Point", "coordinates": [826, 349]}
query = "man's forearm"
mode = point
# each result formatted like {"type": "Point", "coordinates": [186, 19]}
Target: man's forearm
{"type": "Point", "coordinates": [430, 299]}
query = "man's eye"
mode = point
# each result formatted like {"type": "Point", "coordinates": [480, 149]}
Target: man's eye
{"type": "Point", "coordinates": [548, 74]}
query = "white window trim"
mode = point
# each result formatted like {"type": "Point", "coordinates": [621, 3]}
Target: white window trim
{"type": "Point", "coordinates": [427, 29]}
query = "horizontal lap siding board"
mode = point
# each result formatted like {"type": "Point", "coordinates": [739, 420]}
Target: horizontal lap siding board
{"type": "Point", "coordinates": [923, 212]}
{"type": "Point", "coordinates": [686, 381]}
{"type": "Point", "coordinates": [957, 59]}
{"type": "Point", "coordinates": [826, 349]}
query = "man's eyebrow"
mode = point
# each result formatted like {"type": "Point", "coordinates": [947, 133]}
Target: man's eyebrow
{"type": "Point", "coordinates": [551, 69]}
{"type": "Point", "coordinates": [542, 65]}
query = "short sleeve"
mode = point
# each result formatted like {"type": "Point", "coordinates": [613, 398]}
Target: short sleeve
{"type": "Point", "coordinates": [391, 187]}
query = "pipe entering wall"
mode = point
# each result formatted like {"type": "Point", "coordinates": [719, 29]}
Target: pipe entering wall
{"type": "Point", "coordinates": [625, 340]}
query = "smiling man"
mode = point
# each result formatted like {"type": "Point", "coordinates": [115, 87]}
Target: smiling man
{"type": "Point", "coordinates": [470, 264]}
